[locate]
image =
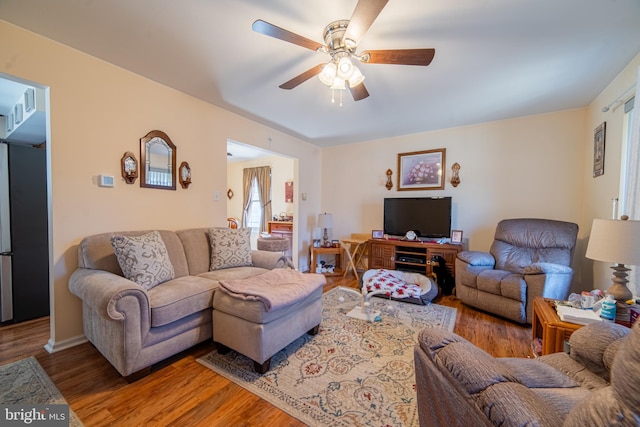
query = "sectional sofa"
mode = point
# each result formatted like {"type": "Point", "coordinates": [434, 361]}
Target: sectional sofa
{"type": "Point", "coordinates": [137, 324]}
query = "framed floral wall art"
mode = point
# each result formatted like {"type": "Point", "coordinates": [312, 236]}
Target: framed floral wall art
{"type": "Point", "coordinates": [421, 170]}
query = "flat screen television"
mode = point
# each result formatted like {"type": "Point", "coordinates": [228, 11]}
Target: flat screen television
{"type": "Point", "coordinates": [429, 217]}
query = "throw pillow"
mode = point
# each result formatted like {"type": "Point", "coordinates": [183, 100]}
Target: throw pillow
{"type": "Point", "coordinates": [143, 259]}
{"type": "Point", "coordinates": [230, 247]}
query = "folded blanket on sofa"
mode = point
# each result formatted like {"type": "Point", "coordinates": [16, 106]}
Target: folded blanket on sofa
{"type": "Point", "coordinates": [276, 288]}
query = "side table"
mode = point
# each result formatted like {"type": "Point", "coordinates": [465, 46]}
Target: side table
{"type": "Point", "coordinates": [546, 325]}
{"type": "Point", "coordinates": [354, 250]}
{"type": "Point", "coordinates": [337, 271]}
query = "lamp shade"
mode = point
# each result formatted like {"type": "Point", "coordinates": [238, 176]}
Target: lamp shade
{"type": "Point", "coordinates": [614, 240]}
{"type": "Point", "coordinates": [328, 73]}
{"type": "Point", "coordinates": [325, 220]}
{"type": "Point", "coordinates": [356, 78]}
{"type": "Point", "coordinates": [345, 68]}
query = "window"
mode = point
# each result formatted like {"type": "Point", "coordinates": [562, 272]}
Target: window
{"type": "Point", "coordinates": [626, 167]}
{"type": "Point", "coordinates": [254, 216]}
{"type": "Point", "coordinates": [630, 178]}
{"type": "Point", "coordinates": [256, 183]}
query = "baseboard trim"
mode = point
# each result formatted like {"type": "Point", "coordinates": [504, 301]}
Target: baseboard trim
{"type": "Point", "coordinates": [53, 346]}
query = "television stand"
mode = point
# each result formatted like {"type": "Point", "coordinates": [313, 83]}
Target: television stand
{"type": "Point", "coordinates": [412, 256]}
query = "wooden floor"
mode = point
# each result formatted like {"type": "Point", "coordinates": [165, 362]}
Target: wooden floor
{"type": "Point", "coordinates": [182, 392]}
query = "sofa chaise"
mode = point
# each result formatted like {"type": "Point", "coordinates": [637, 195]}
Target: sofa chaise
{"type": "Point", "coordinates": [134, 327]}
{"type": "Point", "coordinates": [597, 384]}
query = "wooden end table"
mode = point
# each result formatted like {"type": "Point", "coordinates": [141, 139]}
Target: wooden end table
{"type": "Point", "coordinates": [315, 252]}
{"type": "Point", "coordinates": [547, 326]}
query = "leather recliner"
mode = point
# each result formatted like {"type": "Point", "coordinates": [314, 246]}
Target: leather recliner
{"type": "Point", "coordinates": [528, 258]}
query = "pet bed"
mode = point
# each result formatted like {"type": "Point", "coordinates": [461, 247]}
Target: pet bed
{"type": "Point", "coordinates": [401, 285]}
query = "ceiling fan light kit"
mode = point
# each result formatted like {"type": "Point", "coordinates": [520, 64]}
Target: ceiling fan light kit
{"type": "Point", "coordinates": [341, 40]}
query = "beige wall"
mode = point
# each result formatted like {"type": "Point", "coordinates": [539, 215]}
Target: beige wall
{"type": "Point", "coordinates": [97, 112]}
{"type": "Point", "coordinates": [601, 190]}
{"type": "Point", "coordinates": [510, 168]}
{"type": "Point", "coordinates": [524, 167]}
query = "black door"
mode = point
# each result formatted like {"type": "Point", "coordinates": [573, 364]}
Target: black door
{"type": "Point", "coordinates": [29, 237]}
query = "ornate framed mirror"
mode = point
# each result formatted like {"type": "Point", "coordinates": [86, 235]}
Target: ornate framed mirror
{"type": "Point", "coordinates": [129, 166]}
{"type": "Point", "coordinates": [184, 174]}
{"type": "Point", "coordinates": [158, 159]}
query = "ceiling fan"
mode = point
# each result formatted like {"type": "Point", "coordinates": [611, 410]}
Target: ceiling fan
{"type": "Point", "coordinates": [341, 41]}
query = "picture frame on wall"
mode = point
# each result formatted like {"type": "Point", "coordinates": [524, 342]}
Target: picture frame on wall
{"type": "Point", "coordinates": [288, 192]}
{"type": "Point", "coordinates": [456, 236]}
{"type": "Point", "coordinates": [421, 170]}
{"type": "Point", "coordinates": [599, 136]}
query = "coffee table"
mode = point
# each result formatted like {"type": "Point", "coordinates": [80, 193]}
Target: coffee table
{"type": "Point", "coordinates": [547, 326]}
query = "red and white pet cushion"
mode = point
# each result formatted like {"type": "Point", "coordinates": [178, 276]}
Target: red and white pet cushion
{"type": "Point", "coordinates": [391, 281]}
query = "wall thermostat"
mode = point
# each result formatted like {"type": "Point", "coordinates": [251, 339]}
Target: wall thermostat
{"type": "Point", "coordinates": [105, 180]}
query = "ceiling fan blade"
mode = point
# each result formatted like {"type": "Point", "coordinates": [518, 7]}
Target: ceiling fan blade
{"type": "Point", "coordinates": [271, 30]}
{"type": "Point", "coordinates": [365, 13]}
{"type": "Point", "coordinates": [359, 92]}
{"type": "Point", "coordinates": [301, 78]}
{"type": "Point", "coordinates": [399, 56]}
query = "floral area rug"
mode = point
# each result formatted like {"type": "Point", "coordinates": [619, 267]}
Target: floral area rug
{"type": "Point", "coordinates": [352, 373]}
{"type": "Point", "coordinates": [25, 383]}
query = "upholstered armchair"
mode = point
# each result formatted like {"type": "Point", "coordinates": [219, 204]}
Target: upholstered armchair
{"type": "Point", "coordinates": [528, 258]}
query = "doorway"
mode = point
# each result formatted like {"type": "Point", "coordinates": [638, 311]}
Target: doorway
{"type": "Point", "coordinates": [283, 201]}
{"type": "Point", "coordinates": [25, 280]}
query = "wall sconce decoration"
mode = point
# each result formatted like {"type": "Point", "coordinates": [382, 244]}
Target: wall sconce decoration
{"type": "Point", "coordinates": [455, 174]}
{"type": "Point", "coordinates": [230, 194]}
{"type": "Point", "coordinates": [185, 175]}
{"type": "Point", "coordinates": [389, 183]}
{"type": "Point", "coordinates": [129, 167]}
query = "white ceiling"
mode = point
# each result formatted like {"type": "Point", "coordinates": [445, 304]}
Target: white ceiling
{"type": "Point", "coordinates": [238, 152]}
{"type": "Point", "coordinates": [33, 129]}
{"type": "Point", "coordinates": [495, 59]}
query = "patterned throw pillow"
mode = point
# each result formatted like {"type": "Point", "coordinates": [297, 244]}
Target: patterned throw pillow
{"type": "Point", "coordinates": [230, 247]}
{"type": "Point", "coordinates": [143, 259]}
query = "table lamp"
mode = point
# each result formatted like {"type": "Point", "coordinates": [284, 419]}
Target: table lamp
{"type": "Point", "coordinates": [325, 221]}
{"type": "Point", "coordinates": [616, 241]}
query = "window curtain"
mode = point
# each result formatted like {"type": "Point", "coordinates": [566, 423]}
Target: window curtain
{"type": "Point", "coordinates": [632, 194]}
{"type": "Point", "coordinates": [263, 176]}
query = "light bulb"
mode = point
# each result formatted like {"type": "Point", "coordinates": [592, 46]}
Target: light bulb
{"type": "Point", "coordinates": [328, 73]}
{"type": "Point", "coordinates": [345, 68]}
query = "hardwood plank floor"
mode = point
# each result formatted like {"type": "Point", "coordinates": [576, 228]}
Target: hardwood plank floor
{"type": "Point", "coordinates": [182, 392]}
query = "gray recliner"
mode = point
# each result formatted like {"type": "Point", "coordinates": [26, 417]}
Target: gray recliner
{"type": "Point", "coordinates": [528, 258]}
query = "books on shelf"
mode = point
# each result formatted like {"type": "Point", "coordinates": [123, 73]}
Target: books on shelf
{"type": "Point", "coordinates": [577, 315]}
